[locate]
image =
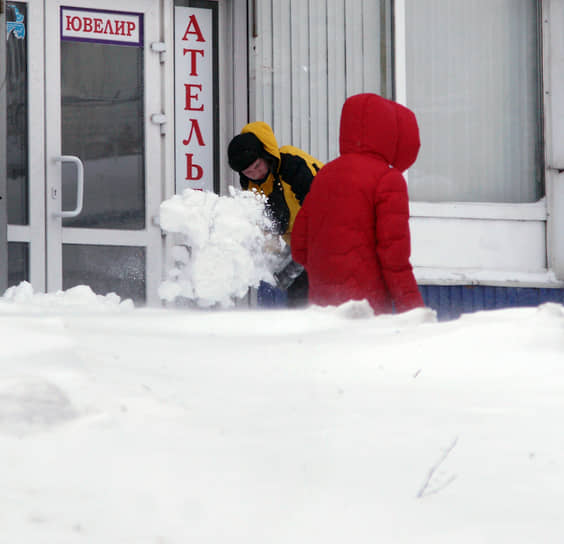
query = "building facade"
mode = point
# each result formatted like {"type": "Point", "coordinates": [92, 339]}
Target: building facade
{"type": "Point", "coordinates": [112, 107]}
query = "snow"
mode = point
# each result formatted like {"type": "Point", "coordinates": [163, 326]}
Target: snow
{"type": "Point", "coordinates": [219, 247]}
{"type": "Point", "coordinates": [201, 421]}
{"type": "Point", "coordinates": [153, 425]}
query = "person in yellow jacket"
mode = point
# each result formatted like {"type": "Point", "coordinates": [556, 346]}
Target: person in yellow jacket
{"type": "Point", "coordinates": [283, 175]}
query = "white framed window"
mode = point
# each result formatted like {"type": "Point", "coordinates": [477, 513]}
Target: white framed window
{"type": "Point", "coordinates": [472, 78]}
{"type": "Point", "coordinates": [473, 75]}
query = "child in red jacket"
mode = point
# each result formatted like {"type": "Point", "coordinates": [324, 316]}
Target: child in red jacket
{"type": "Point", "coordinates": [352, 232]}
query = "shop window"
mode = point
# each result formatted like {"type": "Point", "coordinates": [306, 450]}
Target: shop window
{"type": "Point", "coordinates": [473, 79]}
{"type": "Point", "coordinates": [103, 123]}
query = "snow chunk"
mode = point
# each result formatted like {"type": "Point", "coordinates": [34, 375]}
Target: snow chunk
{"type": "Point", "coordinates": [551, 309]}
{"type": "Point", "coordinates": [223, 246]}
{"type": "Point", "coordinates": [355, 309]}
{"type": "Point", "coordinates": [79, 297]}
{"type": "Point", "coordinates": [361, 309]}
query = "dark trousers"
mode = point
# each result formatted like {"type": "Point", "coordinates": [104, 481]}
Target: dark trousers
{"type": "Point", "coordinates": [298, 292]}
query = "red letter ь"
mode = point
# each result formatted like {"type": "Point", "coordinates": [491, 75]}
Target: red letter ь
{"type": "Point", "coordinates": [193, 171]}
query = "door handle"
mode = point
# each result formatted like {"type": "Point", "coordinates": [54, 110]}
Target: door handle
{"type": "Point", "coordinates": [79, 185]}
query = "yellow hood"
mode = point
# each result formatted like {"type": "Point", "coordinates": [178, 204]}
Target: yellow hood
{"type": "Point", "coordinates": [265, 134]}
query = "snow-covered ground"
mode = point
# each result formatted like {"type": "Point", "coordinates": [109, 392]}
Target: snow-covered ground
{"type": "Point", "coordinates": [137, 425]}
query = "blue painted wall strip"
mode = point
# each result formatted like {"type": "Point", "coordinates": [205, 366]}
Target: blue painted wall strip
{"type": "Point", "coordinates": [449, 301]}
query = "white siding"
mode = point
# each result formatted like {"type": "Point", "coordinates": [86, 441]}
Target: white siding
{"type": "Point", "coordinates": [336, 73]}
{"type": "Point", "coordinates": [307, 57]}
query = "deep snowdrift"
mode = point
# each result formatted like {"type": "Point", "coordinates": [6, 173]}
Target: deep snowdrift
{"type": "Point", "coordinates": [319, 425]}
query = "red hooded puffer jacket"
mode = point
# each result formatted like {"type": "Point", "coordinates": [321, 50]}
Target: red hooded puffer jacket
{"type": "Point", "coordinates": [352, 233]}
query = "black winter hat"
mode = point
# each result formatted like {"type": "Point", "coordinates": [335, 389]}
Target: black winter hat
{"type": "Point", "coordinates": [243, 150]}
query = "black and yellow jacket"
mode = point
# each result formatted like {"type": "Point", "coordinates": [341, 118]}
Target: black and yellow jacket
{"type": "Point", "coordinates": [287, 183]}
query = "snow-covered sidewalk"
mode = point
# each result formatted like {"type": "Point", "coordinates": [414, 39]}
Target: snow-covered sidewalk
{"type": "Point", "coordinates": [124, 425]}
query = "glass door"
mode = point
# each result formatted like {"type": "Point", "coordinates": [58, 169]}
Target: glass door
{"type": "Point", "coordinates": [102, 163]}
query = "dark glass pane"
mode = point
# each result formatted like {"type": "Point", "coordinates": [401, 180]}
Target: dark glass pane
{"type": "Point", "coordinates": [16, 113]}
{"type": "Point", "coordinates": [106, 269]}
{"type": "Point", "coordinates": [102, 124]}
{"type": "Point", "coordinates": [18, 263]}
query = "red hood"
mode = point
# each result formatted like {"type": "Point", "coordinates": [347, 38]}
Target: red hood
{"type": "Point", "coordinates": [372, 124]}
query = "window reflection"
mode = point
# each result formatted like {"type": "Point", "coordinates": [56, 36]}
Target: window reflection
{"type": "Point", "coordinates": [102, 124]}
{"type": "Point", "coordinates": [106, 269]}
{"type": "Point", "coordinates": [473, 82]}
{"type": "Point", "coordinates": [18, 263]}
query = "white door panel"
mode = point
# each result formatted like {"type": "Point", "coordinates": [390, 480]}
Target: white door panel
{"type": "Point", "coordinates": [98, 110]}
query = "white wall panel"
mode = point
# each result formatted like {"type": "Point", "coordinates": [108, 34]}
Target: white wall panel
{"type": "Point", "coordinates": [373, 48]}
{"type": "Point", "coordinates": [353, 46]}
{"type": "Point", "coordinates": [282, 68]}
{"type": "Point", "coordinates": [318, 78]}
{"type": "Point", "coordinates": [307, 57]}
{"type": "Point", "coordinates": [478, 244]}
{"type": "Point", "coordinates": [336, 75]}
{"type": "Point", "coordinates": [300, 72]}
{"type": "Point", "coordinates": [261, 69]}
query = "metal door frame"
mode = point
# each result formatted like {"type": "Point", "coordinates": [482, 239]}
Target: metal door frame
{"type": "Point", "coordinates": [33, 233]}
{"type": "Point", "coordinates": [55, 233]}
{"type": "Point", "coordinates": [3, 208]}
